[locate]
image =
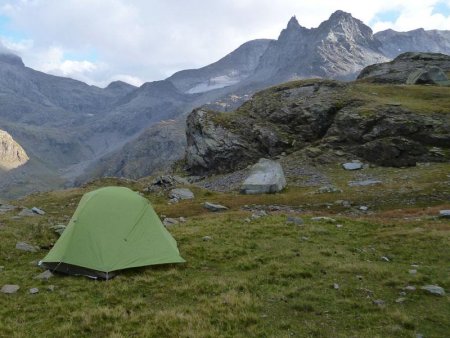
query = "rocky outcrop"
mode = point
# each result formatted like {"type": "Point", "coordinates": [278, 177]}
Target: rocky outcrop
{"type": "Point", "coordinates": [266, 176]}
{"type": "Point", "coordinates": [12, 155]}
{"type": "Point", "coordinates": [400, 69]}
{"type": "Point", "coordinates": [322, 115]}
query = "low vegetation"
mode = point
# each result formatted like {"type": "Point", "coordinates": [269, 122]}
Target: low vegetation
{"type": "Point", "coordinates": [254, 277]}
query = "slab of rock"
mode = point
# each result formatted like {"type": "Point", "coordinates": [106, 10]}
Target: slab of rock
{"type": "Point", "coordinates": [27, 213]}
{"type": "Point", "coordinates": [181, 194]}
{"type": "Point", "coordinates": [26, 247]}
{"type": "Point", "coordinates": [352, 165]}
{"type": "Point", "coordinates": [58, 228]}
{"type": "Point", "coordinates": [294, 220]}
{"type": "Point", "coordinates": [38, 211]}
{"type": "Point", "coordinates": [434, 289]}
{"type": "Point", "coordinates": [46, 275]}
{"type": "Point", "coordinates": [34, 291]}
{"type": "Point", "coordinates": [363, 183]}
{"type": "Point", "coordinates": [266, 176]}
{"type": "Point", "coordinates": [4, 208]}
{"type": "Point", "coordinates": [444, 214]}
{"type": "Point", "coordinates": [214, 207]}
{"type": "Point", "coordinates": [10, 288]}
{"type": "Point", "coordinates": [170, 222]}
{"type": "Point", "coordinates": [427, 75]}
{"type": "Point", "coordinates": [323, 219]}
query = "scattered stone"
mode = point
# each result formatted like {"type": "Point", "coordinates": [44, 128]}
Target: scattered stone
{"type": "Point", "coordinates": [26, 247]}
{"type": "Point", "coordinates": [167, 181]}
{"type": "Point", "coordinates": [58, 228]}
{"type": "Point", "coordinates": [363, 183]}
{"type": "Point", "coordinates": [419, 335]}
{"type": "Point", "coordinates": [414, 265]}
{"type": "Point", "coordinates": [363, 208]}
{"type": "Point", "coordinates": [400, 300]}
{"type": "Point", "coordinates": [214, 207]}
{"type": "Point", "coordinates": [170, 222]}
{"type": "Point", "coordinates": [247, 220]}
{"type": "Point", "coordinates": [409, 288]}
{"type": "Point", "coordinates": [181, 194]}
{"type": "Point", "coordinates": [304, 238]}
{"type": "Point", "coordinates": [4, 208]}
{"type": "Point", "coordinates": [352, 165]}
{"type": "Point", "coordinates": [46, 275]}
{"type": "Point", "coordinates": [173, 201]}
{"type": "Point", "coordinates": [33, 291]}
{"type": "Point", "coordinates": [182, 219]}
{"type": "Point", "coordinates": [402, 293]}
{"type": "Point", "coordinates": [207, 238]}
{"type": "Point", "coordinates": [1, 268]}
{"type": "Point", "coordinates": [258, 214]}
{"type": "Point", "coordinates": [38, 211]}
{"type": "Point", "coordinates": [339, 225]}
{"type": "Point", "coordinates": [344, 203]}
{"type": "Point", "coordinates": [266, 176]}
{"type": "Point", "coordinates": [444, 214]}
{"type": "Point", "coordinates": [412, 271]}
{"type": "Point", "coordinates": [51, 288]}
{"type": "Point", "coordinates": [328, 189]}
{"type": "Point", "coordinates": [323, 219]}
{"type": "Point", "coordinates": [434, 289]}
{"type": "Point", "coordinates": [294, 220]}
{"type": "Point", "coordinates": [27, 213]}
{"type": "Point", "coordinates": [386, 259]}
{"type": "Point", "coordinates": [336, 286]}
{"type": "Point", "coordinates": [379, 302]}
{"type": "Point", "coordinates": [10, 288]}
{"type": "Point", "coordinates": [359, 277]}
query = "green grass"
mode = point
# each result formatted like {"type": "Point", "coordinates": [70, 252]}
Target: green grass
{"type": "Point", "coordinates": [265, 278]}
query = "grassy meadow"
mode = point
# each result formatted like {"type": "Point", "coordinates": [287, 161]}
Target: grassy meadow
{"type": "Point", "coordinates": [263, 278]}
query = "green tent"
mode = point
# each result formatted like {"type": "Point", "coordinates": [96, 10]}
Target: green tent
{"type": "Point", "coordinates": [112, 229]}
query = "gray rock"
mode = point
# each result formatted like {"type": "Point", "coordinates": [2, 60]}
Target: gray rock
{"type": "Point", "coordinates": [170, 222]}
{"type": "Point", "coordinates": [400, 300]}
{"type": "Point", "coordinates": [339, 225]}
{"type": "Point", "coordinates": [266, 176]}
{"type": "Point", "coordinates": [328, 189]}
{"type": "Point", "coordinates": [363, 208]}
{"type": "Point", "coordinates": [181, 194]}
{"type": "Point", "coordinates": [26, 247]}
{"type": "Point", "coordinates": [336, 286]}
{"type": "Point", "coordinates": [444, 213]}
{"type": "Point", "coordinates": [214, 207]}
{"type": "Point", "coordinates": [352, 165]}
{"type": "Point", "coordinates": [38, 211]}
{"type": "Point", "coordinates": [412, 271]}
{"type": "Point", "coordinates": [4, 208]}
{"type": "Point", "coordinates": [379, 302]}
{"type": "Point", "coordinates": [58, 228]}
{"type": "Point", "coordinates": [434, 289]}
{"type": "Point", "coordinates": [323, 219]}
{"type": "Point", "coordinates": [409, 288]}
{"type": "Point", "coordinates": [363, 183]}
{"type": "Point", "coordinates": [258, 214]}
{"type": "Point", "coordinates": [27, 213]}
{"type": "Point", "coordinates": [207, 238]}
{"type": "Point", "coordinates": [427, 75]}
{"type": "Point", "coordinates": [34, 291]}
{"type": "Point", "coordinates": [46, 275]}
{"type": "Point", "coordinates": [51, 288]}
{"type": "Point", "coordinates": [10, 288]}
{"type": "Point", "coordinates": [386, 259]}
{"type": "Point", "coordinates": [294, 220]}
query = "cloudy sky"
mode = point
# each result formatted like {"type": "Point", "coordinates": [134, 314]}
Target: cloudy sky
{"type": "Point", "coordinates": [98, 41]}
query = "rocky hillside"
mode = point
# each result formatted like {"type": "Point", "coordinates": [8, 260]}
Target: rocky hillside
{"type": "Point", "coordinates": [12, 155]}
{"type": "Point", "coordinates": [387, 125]}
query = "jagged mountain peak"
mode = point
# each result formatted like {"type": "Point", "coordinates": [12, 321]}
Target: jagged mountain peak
{"type": "Point", "coordinates": [293, 23]}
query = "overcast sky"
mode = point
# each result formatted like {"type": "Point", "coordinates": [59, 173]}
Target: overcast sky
{"type": "Point", "coordinates": [98, 41]}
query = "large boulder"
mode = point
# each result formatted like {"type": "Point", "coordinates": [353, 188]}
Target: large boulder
{"type": "Point", "coordinates": [266, 176]}
{"type": "Point", "coordinates": [429, 75]}
{"type": "Point", "coordinates": [403, 66]}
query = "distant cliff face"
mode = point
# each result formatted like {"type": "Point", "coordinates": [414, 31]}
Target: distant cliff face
{"type": "Point", "coordinates": [12, 155]}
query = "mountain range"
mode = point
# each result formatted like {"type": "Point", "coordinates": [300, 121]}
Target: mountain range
{"type": "Point", "coordinates": [72, 131]}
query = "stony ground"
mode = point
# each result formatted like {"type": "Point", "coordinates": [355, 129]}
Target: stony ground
{"type": "Point", "coordinates": [324, 258]}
